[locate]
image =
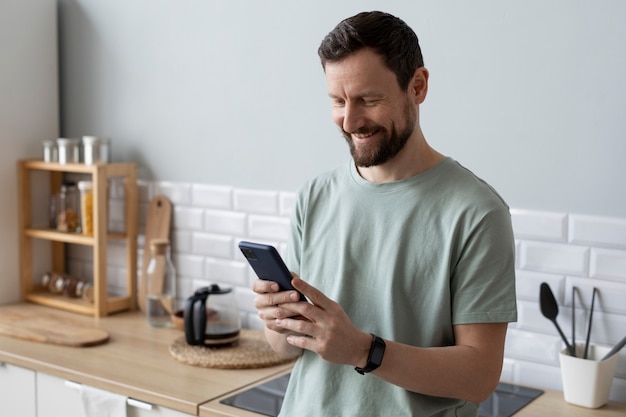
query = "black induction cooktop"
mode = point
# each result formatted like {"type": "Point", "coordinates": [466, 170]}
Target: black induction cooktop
{"type": "Point", "coordinates": [267, 399]}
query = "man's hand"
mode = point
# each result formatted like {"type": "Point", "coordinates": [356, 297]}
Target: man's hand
{"type": "Point", "coordinates": [324, 327]}
{"type": "Point", "coordinates": [270, 302]}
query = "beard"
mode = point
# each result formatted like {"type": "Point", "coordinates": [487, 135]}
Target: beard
{"type": "Point", "coordinates": [387, 147]}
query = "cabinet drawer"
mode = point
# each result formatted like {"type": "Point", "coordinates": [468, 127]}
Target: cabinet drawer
{"type": "Point", "coordinates": [17, 391]}
{"type": "Point", "coordinates": [57, 396]}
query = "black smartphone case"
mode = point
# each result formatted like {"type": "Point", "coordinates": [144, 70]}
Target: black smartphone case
{"type": "Point", "coordinates": [267, 264]}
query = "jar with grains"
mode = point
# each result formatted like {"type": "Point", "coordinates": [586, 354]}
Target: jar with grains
{"type": "Point", "coordinates": [86, 206]}
{"type": "Point", "coordinates": [68, 218]}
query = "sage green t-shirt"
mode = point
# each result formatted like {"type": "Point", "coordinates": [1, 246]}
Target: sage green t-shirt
{"type": "Point", "coordinates": [406, 260]}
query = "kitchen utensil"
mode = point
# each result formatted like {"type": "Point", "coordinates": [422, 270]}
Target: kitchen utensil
{"type": "Point", "coordinates": [593, 300]}
{"type": "Point", "coordinates": [550, 310]}
{"type": "Point", "coordinates": [615, 349]}
{"type": "Point", "coordinates": [573, 316]}
{"type": "Point", "coordinates": [211, 316]}
{"type": "Point", "coordinates": [158, 220]}
{"type": "Point", "coordinates": [23, 323]}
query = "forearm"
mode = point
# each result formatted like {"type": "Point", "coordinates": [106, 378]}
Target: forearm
{"type": "Point", "coordinates": [453, 371]}
{"type": "Point", "coordinates": [469, 370]}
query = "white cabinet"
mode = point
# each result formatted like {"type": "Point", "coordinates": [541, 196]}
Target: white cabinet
{"type": "Point", "coordinates": [56, 397]}
{"type": "Point", "coordinates": [60, 397]}
{"type": "Point", "coordinates": [17, 391]}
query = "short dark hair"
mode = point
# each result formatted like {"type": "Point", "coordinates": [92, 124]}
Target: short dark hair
{"type": "Point", "coordinates": [386, 34]}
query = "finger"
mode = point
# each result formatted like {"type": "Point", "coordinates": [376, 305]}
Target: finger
{"type": "Point", "coordinates": [313, 294]}
{"type": "Point", "coordinates": [303, 327]}
{"type": "Point", "coordinates": [262, 286]}
{"type": "Point", "coordinates": [303, 342]}
{"type": "Point", "coordinates": [275, 298]}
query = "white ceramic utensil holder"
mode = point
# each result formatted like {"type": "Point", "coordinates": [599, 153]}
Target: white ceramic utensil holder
{"type": "Point", "coordinates": [587, 382]}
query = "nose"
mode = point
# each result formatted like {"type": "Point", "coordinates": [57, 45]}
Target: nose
{"type": "Point", "coordinates": [350, 118]}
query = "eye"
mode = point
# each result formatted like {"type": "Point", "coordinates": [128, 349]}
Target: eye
{"type": "Point", "coordinates": [338, 102]}
{"type": "Point", "coordinates": [368, 102]}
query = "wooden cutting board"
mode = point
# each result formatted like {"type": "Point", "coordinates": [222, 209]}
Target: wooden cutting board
{"type": "Point", "coordinates": [19, 322]}
{"type": "Point", "coordinates": [158, 221]}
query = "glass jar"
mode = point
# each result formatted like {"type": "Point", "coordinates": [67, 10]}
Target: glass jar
{"type": "Point", "coordinates": [50, 151]}
{"type": "Point", "coordinates": [86, 206]}
{"type": "Point", "coordinates": [68, 208]}
{"type": "Point", "coordinates": [68, 149]}
{"type": "Point", "coordinates": [161, 285]}
{"type": "Point", "coordinates": [90, 149]}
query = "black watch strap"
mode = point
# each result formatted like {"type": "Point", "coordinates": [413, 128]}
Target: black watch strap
{"type": "Point", "coordinates": [375, 357]}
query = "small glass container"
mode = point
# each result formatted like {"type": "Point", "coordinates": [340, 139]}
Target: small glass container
{"type": "Point", "coordinates": [50, 153]}
{"type": "Point", "coordinates": [69, 152]}
{"type": "Point", "coordinates": [68, 209]}
{"type": "Point", "coordinates": [91, 146]}
{"type": "Point", "coordinates": [86, 206]}
{"type": "Point", "coordinates": [161, 285]}
{"type": "Point", "coordinates": [104, 151]}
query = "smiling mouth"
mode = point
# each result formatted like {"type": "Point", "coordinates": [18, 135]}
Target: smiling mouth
{"type": "Point", "coordinates": [361, 135]}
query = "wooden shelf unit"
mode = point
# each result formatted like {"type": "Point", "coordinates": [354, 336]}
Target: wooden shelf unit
{"type": "Point", "coordinates": [103, 304]}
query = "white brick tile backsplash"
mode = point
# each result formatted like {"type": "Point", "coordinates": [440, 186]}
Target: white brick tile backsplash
{"type": "Point", "coordinates": [254, 201]}
{"type": "Point", "coordinates": [534, 347]}
{"type": "Point", "coordinates": [287, 202]}
{"type": "Point", "coordinates": [231, 272]}
{"type": "Point", "coordinates": [597, 231]}
{"type": "Point", "coordinates": [508, 373]}
{"type": "Point", "coordinates": [539, 375]}
{"type": "Point", "coordinates": [530, 319]}
{"type": "Point", "coordinates": [176, 192]}
{"type": "Point", "coordinates": [554, 257]}
{"type": "Point", "coordinates": [527, 284]}
{"type": "Point", "coordinates": [116, 255]}
{"type": "Point", "coordinates": [226, 222]}
{"type": "Point", "coordinates": [537, 225]}
{"type": "Point", "coordinates": [610, 298]}
{"type": "Point", "coordinates": [608, 264]}
{"type": "Point", "coordinates": [117, 211]}
{"type": "Point", "coordinates": [181, 241]}
{"type": "Point", "coordinates": [117, 188]}
{"type": "Point", "coordinates": [245, 299]}
{"type": "Point", "coordinates": [266, 227]}
{"type": "Point", "coordinates": [188, 218]}
{"type": "Point", "coordinates": [190, 266]}
{"type": "Point", "coordinates": [209, 244]}
{"type": "Point", "coordinates": [213, 196]}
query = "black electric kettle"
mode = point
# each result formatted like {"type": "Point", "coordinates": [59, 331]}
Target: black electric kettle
{"type": "Point", "coordinates": [211, 316]}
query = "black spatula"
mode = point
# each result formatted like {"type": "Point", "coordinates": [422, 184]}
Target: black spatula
{"type": "Point", "coordinates": [550, 310]}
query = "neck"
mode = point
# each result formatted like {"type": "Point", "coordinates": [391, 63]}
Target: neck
{"type": "Point", "coordinates": [416, 157]}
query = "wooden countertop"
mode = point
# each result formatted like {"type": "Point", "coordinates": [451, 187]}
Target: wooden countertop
{"type": "Point", "coordinates": [135, 362]}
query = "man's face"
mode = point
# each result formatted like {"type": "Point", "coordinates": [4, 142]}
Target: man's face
{"type": "Point", "coordinates": [376, 117]}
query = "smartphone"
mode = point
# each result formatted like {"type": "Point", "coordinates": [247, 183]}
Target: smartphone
{"type": "Point", "coordinates": [267, 264]}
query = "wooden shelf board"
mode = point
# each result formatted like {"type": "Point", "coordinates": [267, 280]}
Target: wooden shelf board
{"type": "Point", "coordinates": [51, 234]}
{"type": "Point", "coordinates": [78, 305]}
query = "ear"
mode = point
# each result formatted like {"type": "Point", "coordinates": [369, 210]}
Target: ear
{"type": "Point", "coordinates": [418, 88]}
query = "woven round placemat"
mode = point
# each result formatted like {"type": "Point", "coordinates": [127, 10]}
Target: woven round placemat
{"type": "Point", "coordinates": [251, 351]}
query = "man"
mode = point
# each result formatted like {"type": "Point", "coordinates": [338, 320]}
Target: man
{"type": "Point", "coordinates": [406, 258]}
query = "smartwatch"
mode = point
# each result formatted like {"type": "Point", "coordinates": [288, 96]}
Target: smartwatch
{"type": "Point", "coordinates": [375, 357]}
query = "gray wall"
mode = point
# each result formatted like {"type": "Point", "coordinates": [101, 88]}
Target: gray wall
{"type": "Point", "coordinates": [530, 95]}
{"type": "Point", "coordinates": [29, 112]}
